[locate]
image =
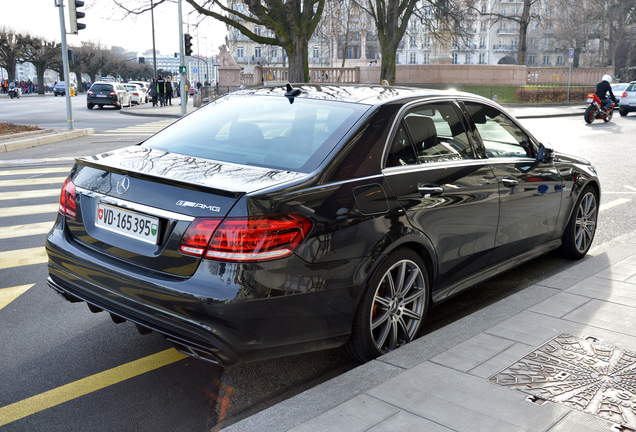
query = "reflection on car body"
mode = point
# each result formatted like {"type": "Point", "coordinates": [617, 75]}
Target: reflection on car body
{"type": "Point", "coordinates": [277, 220]}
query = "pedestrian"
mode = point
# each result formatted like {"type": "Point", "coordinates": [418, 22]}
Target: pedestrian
{"type": "Point", "coordinates": [161, 90]}
{"type": "Point", "coordinates": [168, 91]}
{"type": "Point", "coordinates": [153, 92]}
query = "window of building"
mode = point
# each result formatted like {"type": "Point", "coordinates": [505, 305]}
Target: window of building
{"type": "Point", "coordinates": [482, 42]}
{"type": "Point", "coordinates": [427, 58]}
{"type": "Point", "coordinates": [257, 31]}
{"type": "Point", "coordinates": [257, 52]}
{"type": "Point", "coordinates": [316, 52]}
{"type": "Point", "coordinates": [546, 59]}
{"type": "Point", "coordinates": [239, 51]}
{"type": "Point", "coordinates": [469, 58]}
{"type": "Point", "coordinates": [412, 58]}
{"type": "Point", "coordinates": [349, 52]}
{"type": "Point", "coordinates": [560, 59]}
{"type": "Point", "coordinates": [454, 58]}
{"type": "Point", "coordinates": [413, 42]}
{"type": "Point", "coordinates": [532, 59]}
{"type": "Point", "coordinates": [483, 8]}
{"type": "Point", "coordinates": [482, 58]}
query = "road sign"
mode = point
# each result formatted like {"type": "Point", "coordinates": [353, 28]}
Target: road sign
{"type": "Point", "coordinates": [194, 70]}
{"type": "Point", "coordinates": [571, 55]}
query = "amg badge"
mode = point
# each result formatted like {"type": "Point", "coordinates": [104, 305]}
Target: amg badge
{"type": "Point", "coordinates": [198, 205]}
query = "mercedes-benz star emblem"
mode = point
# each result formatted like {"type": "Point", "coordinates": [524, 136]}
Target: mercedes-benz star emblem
{"type": "Point", "coordinates": [123, 184]}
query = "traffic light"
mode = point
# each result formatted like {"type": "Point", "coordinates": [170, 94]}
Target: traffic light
{"type": "Point", "coordinates": [183, 69]}
{"type": "Point", "coordinates": [187, 39]}
{"type": "Point", "coordinates": [142, 60]}
{"type": "Point", "coordinates": [175, 56]}
{"type": "Point", "coordinates": [74, 15]}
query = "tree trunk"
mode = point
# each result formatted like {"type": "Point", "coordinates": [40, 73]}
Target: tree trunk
{"type": "Point", "coordinates": [387, 65]}
{"type": "Point", "coordinates": [40, 67]}
{"type": "Point", "coordinates": [523, 32]}
{"type": "Point", "coordinates": [11, 67]}
{"type": "Point", "coordinates": [299, 61]}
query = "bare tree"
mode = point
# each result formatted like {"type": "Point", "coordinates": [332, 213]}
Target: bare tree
{"type": "Point", "coordinates": [43, 55]}
{"type": "Point", "coordinates": [11, 44]}
{"type": "Point", "coordinates": [391, 19]}
{"type": "Point", "coordinates": [292, 23]}
{"type": "Point", "coordinates": [528, 13]}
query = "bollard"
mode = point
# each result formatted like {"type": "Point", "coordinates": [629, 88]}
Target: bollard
{"type": "Point", "coordinates": [196, 100]}
{"type": "Point", "coordinates": [495, 98]}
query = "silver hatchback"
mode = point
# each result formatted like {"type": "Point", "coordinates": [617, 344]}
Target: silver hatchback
{"type": "Point", "coordinates": [627, 100]}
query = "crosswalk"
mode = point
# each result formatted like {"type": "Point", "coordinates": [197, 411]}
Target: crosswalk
{"type": "Point", "coordinates": [145, 129]}
{"type": "Point", "coordinates": [28, 207]}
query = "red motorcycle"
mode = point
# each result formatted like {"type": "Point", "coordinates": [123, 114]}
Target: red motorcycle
{"type": "Point", "coordinates": [595, 109]}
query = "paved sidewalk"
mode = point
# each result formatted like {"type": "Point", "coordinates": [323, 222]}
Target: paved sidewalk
{"type": "Point", "coordinates": [452, 379]}
{"type": "Point", "coordinates": [170, 111]}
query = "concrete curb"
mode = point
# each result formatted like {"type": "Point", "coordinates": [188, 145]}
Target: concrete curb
{"type": "Point", "coordinates": [42, 139]}
{"type": "Point", "coordinates": [143, 114]}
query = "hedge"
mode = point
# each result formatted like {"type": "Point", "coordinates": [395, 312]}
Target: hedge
{"type": "Point", "coordinates": [555, 94]}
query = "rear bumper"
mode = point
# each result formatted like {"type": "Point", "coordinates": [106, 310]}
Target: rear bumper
{"type": "Point", "coordinates": [223, 313]}
{"type": "Point", "coordinates": [626, 107]}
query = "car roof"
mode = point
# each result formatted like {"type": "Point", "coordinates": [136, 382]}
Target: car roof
{"type": "Point", "coordinates": [105, 82]}
{"type": "Point", "coordinates": [365, 94]}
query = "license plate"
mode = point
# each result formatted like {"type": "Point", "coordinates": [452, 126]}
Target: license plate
{"type": "Point", "coordinates": [590, 100]}
{"type": "Point", "coordinates": [102, 96]}
{"type": "Point", "coordinates": [127, 223]}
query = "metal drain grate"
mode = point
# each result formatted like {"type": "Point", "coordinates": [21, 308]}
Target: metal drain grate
{"type": "Point", "coordinates": [581, 373]}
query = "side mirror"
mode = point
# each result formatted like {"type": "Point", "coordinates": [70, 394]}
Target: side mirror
{"type": "Point", "coordinates": [546, 153]}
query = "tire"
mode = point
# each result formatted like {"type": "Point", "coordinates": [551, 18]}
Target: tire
{"type": "Point", "coordinates": [89, 106]}
{"type": "Point", "coordinates": [623, 113]}
{"type": "Point", "coordinates": [608, 118]}
{"type": "Point", "coordinates": [589, 114]}
{"type": "Point", "coordinates": [118, 106]}
{"type": "Point", "coordinates": [11, 95]}
{"type": "Point", "coordinates": [390, 313]}
{"type": "Point", "coordinates": [579, 233]}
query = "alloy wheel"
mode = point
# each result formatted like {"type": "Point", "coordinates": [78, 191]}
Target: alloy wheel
{"type": "Point", "coordinates": [398, 306]}
{"type": "Point", "coordinates": [585, 222]}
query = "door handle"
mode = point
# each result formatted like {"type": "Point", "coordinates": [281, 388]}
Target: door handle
{"type": "Point", "coordinates": [509, 182]}
{"type": "Point", "coordinates": [429, 189]}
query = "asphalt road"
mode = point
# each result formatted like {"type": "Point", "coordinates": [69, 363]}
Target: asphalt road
{"type": "Point", "coordinates": [97, 374]}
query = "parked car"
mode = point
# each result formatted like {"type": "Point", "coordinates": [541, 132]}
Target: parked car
{"type": "Point", "coordinates": [145, 87]}
{"type": "Point", "coordinates": [138, 96]}
{"type": "Point", "coordinates": [104, 93]}
{"type": "Point", "coordinates": [618, 89]}
{"type": "Point", "coordinates": [274, 221]}
{"type": "Point", "coordinates": [59, 89]}
{"type": "Point", "coordinates": [627, 102]}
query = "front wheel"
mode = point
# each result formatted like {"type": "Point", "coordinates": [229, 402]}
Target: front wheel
{"type": "Point", "coordinates": [579, 232]}
{"type": "Point", "coordinates": [590, 114]}
{"type": "Point", "coordinates": [392, 308]}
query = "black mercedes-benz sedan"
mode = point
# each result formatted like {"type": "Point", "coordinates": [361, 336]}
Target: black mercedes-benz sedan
{"type": "Point", "coordinates": [281, 220]}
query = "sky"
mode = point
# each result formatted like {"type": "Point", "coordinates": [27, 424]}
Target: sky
{"type": "Point", "coordinates": [107, 25]}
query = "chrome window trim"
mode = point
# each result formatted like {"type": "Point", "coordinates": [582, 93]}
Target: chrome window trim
{"type": "Point", "coordinates": [388, 171]}
{"type": "Point", "coordinates": [142, 208]}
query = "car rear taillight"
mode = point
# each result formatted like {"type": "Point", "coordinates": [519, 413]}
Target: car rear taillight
{"type": "Point", "coordinates": [624, 94]}
{"type": "Point", "coordinates": [67, 199]}
{"type": "Point", "coordinates": [113, 93]}
{"type": "Point", "coordinates": [90, 92]}
{"type": "Point", "coordinates": [245, 239]}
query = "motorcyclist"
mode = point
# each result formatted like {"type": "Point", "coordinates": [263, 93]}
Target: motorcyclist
{"type": "Point", "coordinates": [601, 91]}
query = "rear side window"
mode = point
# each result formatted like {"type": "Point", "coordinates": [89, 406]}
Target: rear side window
{"type": "Point", "coordinates": [261, 131]}
{"type": "Point", "coordinates": [631, 87]}
{"type": "Point", "coordinates": [430, 133]}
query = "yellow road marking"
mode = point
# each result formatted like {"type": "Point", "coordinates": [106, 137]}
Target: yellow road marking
{"type": "Point", "coordinates": [25, 230]}
{"type": "Point", "coordinates": [40, 193]}
{"type": "Point", "coordinates": [35, 171]}
{"type": "Point", "coordinates": [65, 393]}
{"type": "Point", "coordinates": [28, 210]}
{"type": "Point", "coordinates": [22, 257]}
{"type": "Point", "coordinates": [7, 295]}
{"type": "Point", "coordinates": [32, 182]}
{"type": "Point", "coordinates": [614, 203]}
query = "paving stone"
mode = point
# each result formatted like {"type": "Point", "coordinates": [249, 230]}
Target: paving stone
{"type": "Point", "coordinates": [620, 272]}
{"type": "Point", "coordinates": [501, 361]}
{"type": "Point", "coordinates": [606, 289]}
{"type": "Point", "coordinates": [368, 408]}
{"type": "Point", "coordinates": [407, 422]}
{"type": "Point", "coordinates": [335, 420]}
{"type": "Point", "coordinates": [576, 421]}
{"type": "Point", "coordinates": [472, 352]}
{"type": "Point", "coordinates": [609, 316]}
{"type": "Point", "coordinates": [560, 304]}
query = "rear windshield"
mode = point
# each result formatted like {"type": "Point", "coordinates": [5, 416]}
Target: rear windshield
{"type": "Point", "coordinates": [102, 87]}
{"type": "Point", "coordinates": [262, 131]}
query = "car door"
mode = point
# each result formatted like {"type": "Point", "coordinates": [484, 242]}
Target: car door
{"type": "Point", "coordinates": [447, 192]}
{"type": "Point", "coordinates": [530, 191]}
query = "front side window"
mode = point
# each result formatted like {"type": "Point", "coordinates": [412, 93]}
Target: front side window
{"type": "Point", "coordinates": [430, 133]}
{"type": "Point", "coordinates": [501, 136]}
